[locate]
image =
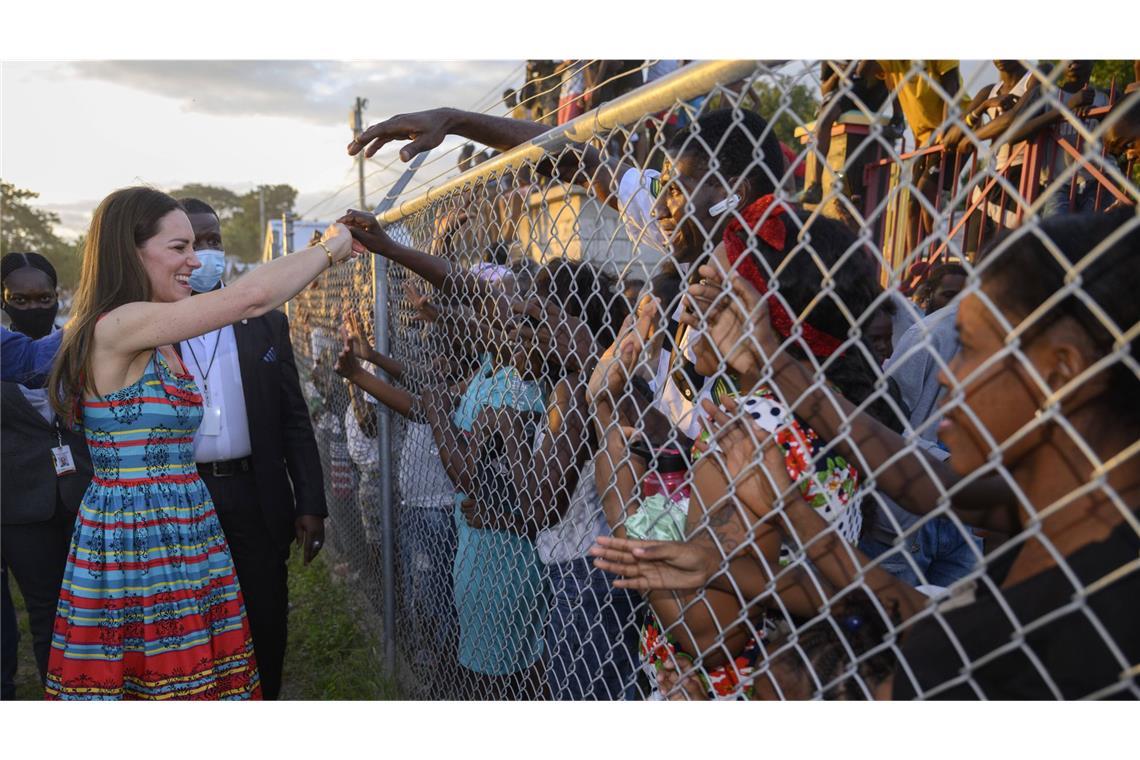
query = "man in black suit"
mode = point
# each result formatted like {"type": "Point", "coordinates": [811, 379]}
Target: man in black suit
{"type": "Point", "coordinates": [255, 451]}
{"type": "Point", "coordinates": [38, 499]}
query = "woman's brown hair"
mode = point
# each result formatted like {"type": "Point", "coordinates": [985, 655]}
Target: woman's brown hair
{"type": "Point", "coordinates": [112, 275]}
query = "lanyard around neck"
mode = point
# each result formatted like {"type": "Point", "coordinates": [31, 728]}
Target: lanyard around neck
{"type": "Point", "coordinates": [213, 355]}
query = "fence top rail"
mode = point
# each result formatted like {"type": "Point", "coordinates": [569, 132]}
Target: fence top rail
{"type": "Point", "coordinates": [686, 83]}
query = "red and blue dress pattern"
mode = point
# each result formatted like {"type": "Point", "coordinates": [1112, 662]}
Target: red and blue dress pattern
{"type": "Point", "coordinates": [150, 606]}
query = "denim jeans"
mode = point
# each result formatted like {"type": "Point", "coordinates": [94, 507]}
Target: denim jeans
{"type": "Point", "coordinates": [428, 624]}
{"type": "Point", "coordinates": [938, 549]}
{"type": "Point", "coordinates": [1057, 200]}
{"type": "Point", "coordinates": [592, 634]}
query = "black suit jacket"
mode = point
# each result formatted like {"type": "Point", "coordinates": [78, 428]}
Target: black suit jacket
{"type": "Point", "coordinates": [286, 463]}
{"type": "Point", "coordinates": [29, 487]}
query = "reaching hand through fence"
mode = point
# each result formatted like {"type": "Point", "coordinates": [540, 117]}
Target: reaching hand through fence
{"type": "Point", "coordinates": [671, 424]}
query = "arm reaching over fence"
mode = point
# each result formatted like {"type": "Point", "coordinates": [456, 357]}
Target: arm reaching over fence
{"type": "Point", "coordinates": [449, 277]}
{"type": "Point", "coordinates": [580, 164]}
{"type": "Point", "coordinates": [756, 465]}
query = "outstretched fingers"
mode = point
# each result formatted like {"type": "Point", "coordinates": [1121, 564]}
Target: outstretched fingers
{"type": "Point", "coordinates": [418, 128]}
{"type": "Point", "coordinates": [377, 136]}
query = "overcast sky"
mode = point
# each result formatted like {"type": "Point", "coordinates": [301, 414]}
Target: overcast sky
{"type": "Point", "coordinates": [74, 131]}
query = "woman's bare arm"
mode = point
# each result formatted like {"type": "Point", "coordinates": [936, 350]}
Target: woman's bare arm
{"type": "Point", "coordinates": [141, 326]}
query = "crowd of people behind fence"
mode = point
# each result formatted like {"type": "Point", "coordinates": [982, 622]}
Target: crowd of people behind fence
{"type": "Point", "coordinates": [786, 465]}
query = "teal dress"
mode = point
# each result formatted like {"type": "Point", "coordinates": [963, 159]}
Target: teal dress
{"type": "Point", "coordinates": [500, 585]}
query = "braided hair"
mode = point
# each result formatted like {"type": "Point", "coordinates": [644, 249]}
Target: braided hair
{"type": "Point", "coordinates": [19, 260]}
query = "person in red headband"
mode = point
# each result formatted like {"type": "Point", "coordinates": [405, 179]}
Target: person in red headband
{"type": "Point", "coordinates": [826, 258]}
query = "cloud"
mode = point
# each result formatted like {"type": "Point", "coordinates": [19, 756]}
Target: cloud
{"type": "Point", "coordinates": [318, 92]}
{"type": "Point", "coordinates": [74, 218]}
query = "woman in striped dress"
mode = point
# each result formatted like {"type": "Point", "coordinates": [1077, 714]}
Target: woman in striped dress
{"type": "Point", "coordinates": [150, 606]}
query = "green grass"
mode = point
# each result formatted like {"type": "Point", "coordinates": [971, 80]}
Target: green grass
{"type": "Point", "coordinates": [28, 684]}
{"type": "Point", "coordinates": [331, 654]}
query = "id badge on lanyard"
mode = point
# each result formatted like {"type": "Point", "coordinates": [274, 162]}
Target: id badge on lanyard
{"type": "Point", "coordinates": [211, 421]}
{"type": "Point", "coordinates": [61, 457]}
{"type": "Point", "coordinates": [211, 414]}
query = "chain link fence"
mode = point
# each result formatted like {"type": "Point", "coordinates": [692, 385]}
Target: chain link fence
{"type": "Point", "coordinates": [754, 380]}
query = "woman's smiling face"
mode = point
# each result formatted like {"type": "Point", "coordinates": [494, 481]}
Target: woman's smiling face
{"type": "Point", "coordinates": [168, 258]}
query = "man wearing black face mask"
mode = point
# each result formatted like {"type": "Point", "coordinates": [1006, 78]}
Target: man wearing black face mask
{"type": "Point", "coordinates": [255, 450]}
{"type": "Point", "coordinates": [45, 469]}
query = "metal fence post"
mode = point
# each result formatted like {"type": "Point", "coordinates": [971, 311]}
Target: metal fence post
{"type": "Point", "coordinates": [384, 429]}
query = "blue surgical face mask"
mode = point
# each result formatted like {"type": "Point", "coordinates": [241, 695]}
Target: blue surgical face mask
{"type": "Point", "coordinates": [206, 277]}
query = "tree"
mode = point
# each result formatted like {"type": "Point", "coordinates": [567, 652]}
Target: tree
{"type": "Point", "coordinates": [225, 202]}
{"type": "Point", "coordinates": [25, 228]}
{"type": "Point", "coordinates": [785, 105]}
{"type": "Point", "coordinates": [241, 214]}
{"type": "Point", "coordinates": [22, 227]}
{"type": "Point", "coordinates": [789, 106]}
{"type": "Point", "coordinates": [242, 232]}
{"type": "Point", "coordinates": [1104, 72]}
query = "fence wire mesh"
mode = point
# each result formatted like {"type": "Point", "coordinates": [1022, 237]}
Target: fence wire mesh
{"type": "Point", "coordinates": [789, 380]}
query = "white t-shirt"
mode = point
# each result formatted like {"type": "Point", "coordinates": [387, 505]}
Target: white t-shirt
{"type": "Point", "coordinates": [1019, 91]}
{"type": "Point", "coordinates": [583, 522]}
{"type": "Point", "coordinates": [364, 450]}
{"type": "Point", "coordinates": [637, 192]}
{"type": "Point", "coordinates": [421, 478]}
{"type": "Point", "coordinates": [684, 414]}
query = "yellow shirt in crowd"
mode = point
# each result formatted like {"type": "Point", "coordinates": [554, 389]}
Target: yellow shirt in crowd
{"type": "Point", "coordinates": [920, 101]}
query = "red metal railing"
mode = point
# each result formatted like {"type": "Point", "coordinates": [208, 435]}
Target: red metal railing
{"type": "Point", "coordinates": [893, 221]}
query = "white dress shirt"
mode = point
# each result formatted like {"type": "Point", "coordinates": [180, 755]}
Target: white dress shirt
{"type": "Point", "coordinates": [218, 376]}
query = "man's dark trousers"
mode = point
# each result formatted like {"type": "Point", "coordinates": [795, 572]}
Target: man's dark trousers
{"type": "Point", "coordinates": [260, 562]}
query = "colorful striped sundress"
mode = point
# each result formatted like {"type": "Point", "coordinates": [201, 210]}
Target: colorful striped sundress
{"type": "Point", "coordinates": [150, 606]}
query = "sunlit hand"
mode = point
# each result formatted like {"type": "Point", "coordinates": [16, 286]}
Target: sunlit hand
{"type": "Point", "coordinates": [691, 686]}
{"type": "Point", "coordinates": [736, 323]}
{"type": "Point", "coordinates": [617, 364]}
{"type": "Point", "coordinates": [366, 231]}
{"type": "Point", "coordinates": [420, 302]}
{"type": "Point", "coordinates": [425, 129]}
{"type": "Point", "coordinates": [339, 241]}
{"type": "Point", "coordinates": [657, 565]}
{"type": "Point", "coordinates": [347, 365]}
{"type": "Point", "coordinates": [357, 339]}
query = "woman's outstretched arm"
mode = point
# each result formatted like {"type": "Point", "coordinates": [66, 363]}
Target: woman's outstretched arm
{"type": "Point", "coordinates": [143, 325]}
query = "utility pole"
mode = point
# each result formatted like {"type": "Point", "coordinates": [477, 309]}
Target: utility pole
{"type": "Point", "coordinates": [357, 128]}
